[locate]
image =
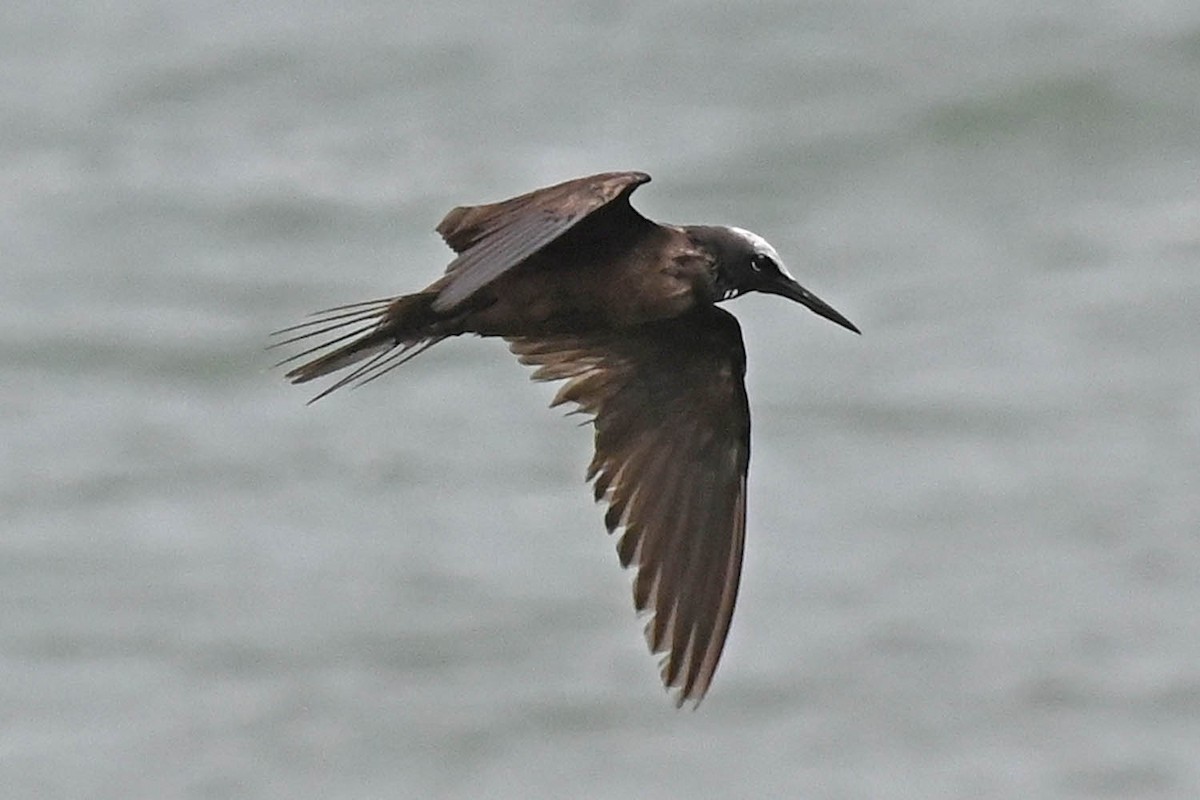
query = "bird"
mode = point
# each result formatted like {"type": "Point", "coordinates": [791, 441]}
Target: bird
{"type": "Point", "coordinates": [586, 290]}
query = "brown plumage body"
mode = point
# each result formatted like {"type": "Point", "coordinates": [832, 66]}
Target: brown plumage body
{"type": "Point", "coordinates": [587, 290]}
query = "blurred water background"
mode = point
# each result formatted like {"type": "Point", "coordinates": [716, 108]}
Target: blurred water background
{"type": "Point", "coordinates": [973, 564]}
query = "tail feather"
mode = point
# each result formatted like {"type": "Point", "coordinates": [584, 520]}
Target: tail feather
{"type": "Point", "coordinates": [345, 356]}
{"type": "Point", "coordinates": [385, 333]}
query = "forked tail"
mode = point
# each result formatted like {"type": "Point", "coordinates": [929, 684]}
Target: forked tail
{"type": "Point", "coordinates": [377, 335]}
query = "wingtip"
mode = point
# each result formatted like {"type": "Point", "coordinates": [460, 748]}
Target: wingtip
{"type": "Point", "coordinates": [682, 699]}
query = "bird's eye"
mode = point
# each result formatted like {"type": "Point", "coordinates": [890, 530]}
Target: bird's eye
{"type": "Point", "coordinates": [759, 263]}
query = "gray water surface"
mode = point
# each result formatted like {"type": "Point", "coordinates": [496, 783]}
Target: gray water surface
{"type": "Point", "coordinates": [972, 567]}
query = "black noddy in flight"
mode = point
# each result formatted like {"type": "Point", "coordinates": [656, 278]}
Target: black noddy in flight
{"type": "Point", "coordinates": [624, 309]}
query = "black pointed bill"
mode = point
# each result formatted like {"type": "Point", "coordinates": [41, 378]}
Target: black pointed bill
{"type": "Point", "coordinates": [784, 286]}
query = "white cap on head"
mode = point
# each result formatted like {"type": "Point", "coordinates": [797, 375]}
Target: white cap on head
{"type": "Point", "coordinates": [762, 246]}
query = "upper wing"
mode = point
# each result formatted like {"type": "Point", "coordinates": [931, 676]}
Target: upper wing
{"type": "Point", "coordinates": [491, 239]}
{"type": "Point", "coordinates": [672, 450]}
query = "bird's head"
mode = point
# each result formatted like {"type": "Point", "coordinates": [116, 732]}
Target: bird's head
{"type": "Point", "coordinates": [746, 262]}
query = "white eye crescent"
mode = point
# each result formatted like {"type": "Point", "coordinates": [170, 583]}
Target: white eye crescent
{"type": "Point", "coordinates": [762, 248]}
